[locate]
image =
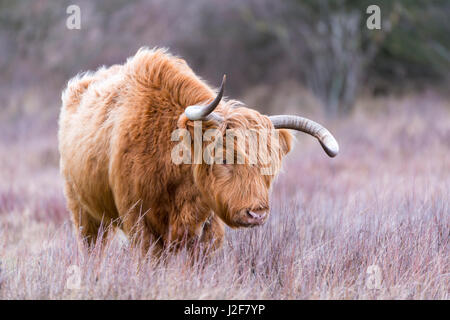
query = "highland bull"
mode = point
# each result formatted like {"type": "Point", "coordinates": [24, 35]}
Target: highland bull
{"type": "Point", "coordinates": [116, 147]}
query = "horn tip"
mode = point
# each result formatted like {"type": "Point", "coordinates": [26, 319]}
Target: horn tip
{"type": "Point", "coordinates": [331, 147]}
{"type": "Point", "coordinates": [193, 113]}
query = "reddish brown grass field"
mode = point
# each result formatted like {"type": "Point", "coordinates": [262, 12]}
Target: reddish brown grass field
{"type": "Point", "coordinates": [372, 223]}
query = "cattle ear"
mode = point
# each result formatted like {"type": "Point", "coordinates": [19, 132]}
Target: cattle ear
{"type": "Point", "coordinates": [285, 140]}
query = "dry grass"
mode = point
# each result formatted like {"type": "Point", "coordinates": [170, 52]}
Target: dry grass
{"type": "Point", "coordinates": [384, 201]}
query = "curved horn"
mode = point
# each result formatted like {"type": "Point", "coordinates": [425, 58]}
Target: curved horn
{"type": "Point", "coordinates": [326, 139]}
{"type": "Point", "coordinates": [205, 112]}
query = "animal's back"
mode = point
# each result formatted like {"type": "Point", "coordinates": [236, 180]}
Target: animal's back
{"type": "Point", "coordinates": [115, 128]}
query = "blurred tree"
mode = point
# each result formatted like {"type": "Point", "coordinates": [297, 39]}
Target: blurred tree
{"type": "Point", "coordinates": [325, 45]}
{"type": "Point", "coordinates": [418, 47]}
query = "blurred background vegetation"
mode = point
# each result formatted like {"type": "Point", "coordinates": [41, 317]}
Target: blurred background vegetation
{"type": "Point", "coordinates": [320, 48]}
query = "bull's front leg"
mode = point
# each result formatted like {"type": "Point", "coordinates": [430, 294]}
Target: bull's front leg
{"type": "Point", "coordinates": [213, 233]}
{"type": "Point", "coordinates": [199, 231]}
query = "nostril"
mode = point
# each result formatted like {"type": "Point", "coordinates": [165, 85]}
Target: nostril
{"type": "Point", "coordinates": [255, 215]}
{"type": "Point", "coordinates": [252, 214]}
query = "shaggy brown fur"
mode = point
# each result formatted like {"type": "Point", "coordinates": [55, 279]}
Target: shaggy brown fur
{"type": "Point", "coordinates": [115, 145]}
